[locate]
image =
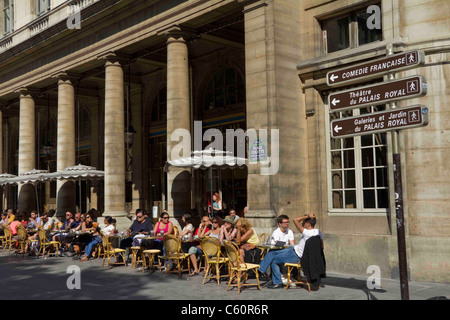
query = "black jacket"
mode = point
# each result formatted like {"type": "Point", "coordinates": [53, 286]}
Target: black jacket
{"type": "Point", "coordinates": [313, 261]}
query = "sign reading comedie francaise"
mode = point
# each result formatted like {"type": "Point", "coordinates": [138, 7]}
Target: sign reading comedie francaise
{"type": "Point", "coordinates": [375, 68]}
{"type": "Point", "coordinates": [394, 119]}
{"type": "Point", "coordinates": [370, 95]}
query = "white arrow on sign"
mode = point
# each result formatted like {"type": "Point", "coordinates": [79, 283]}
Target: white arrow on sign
{"type": "Point", "coordinates": [335, 101]}
{"type": "Point", "coordinates": [333, 77]}
{"type": "Point", "coordinates": [337, 129]}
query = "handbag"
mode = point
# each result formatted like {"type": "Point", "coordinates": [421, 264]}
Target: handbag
{"type": "Point", "coordinates": [248, 246]}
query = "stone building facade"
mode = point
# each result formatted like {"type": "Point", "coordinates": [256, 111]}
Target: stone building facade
{"type": "Point", "coordinates": [78, 76]}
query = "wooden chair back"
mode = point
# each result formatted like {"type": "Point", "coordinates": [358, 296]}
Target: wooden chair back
{"type": "Point", "coordinates": [7, 232]}
{"type": "Point", "coordinates": [21, 233]}
{"type": "Point", "coordinates": [232, 253]}
{"type": "Point", "coordinates": [42, 235]}
{"type": "Point", "coordinates": [106, 244]}
{"type": "Point", "coordinates": [263, 237]}
{"type": "Point", "coordinates": [172, 244]}
{"type": "Point", "coordinates": [211, 247]}
{"type": "Point", "coordinates": [176, 232]}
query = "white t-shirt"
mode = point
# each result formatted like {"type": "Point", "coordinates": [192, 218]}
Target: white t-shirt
{"type": "Point", "coordinates": [305, 236]}
{"type": "Point", "coordinates": [107, 230]}
{"type": "Point", "coordinates": [190, 229]}
{"type": "Point", "coordinates": [279, 235]}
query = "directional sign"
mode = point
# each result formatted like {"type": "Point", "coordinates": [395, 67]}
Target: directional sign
{"type": "Point", "coordinates": [405, 88]}
{"type": "Point", "coordinates": [375, 68]}
{"type": "Point", "coordinates": [394, 119]}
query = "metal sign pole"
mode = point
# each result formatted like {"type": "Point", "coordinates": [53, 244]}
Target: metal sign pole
{"type": "Point", "coordinates": [400, 220]}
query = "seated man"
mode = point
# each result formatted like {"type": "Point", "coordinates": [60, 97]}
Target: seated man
{"type": "Point", "coordinates": [61, 237]}
{"type": "Point", "coordinates": [234, 215]}
{"type": "Point", "coordinates": [282, 233]}
{"type": "Point", "coordinates": [140, 226]}
{"type": "Point", "coordinates": [34, 220]}
{"type": "Point", "coordinates": [47, 223]}
{"type": "Point", "coordinates": [3, 222]}
{"type": "Point", "coordinates": [292, 254]}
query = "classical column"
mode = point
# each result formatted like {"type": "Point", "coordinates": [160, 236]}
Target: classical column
{"type": "Point", "coordinates": [178, 117]}
{"type": "Point", "coordinates": [65, 151]}
{"type": "Point", "coordinates": [27, 148]}
{"type": "Point", "coordinates": [115, 141]}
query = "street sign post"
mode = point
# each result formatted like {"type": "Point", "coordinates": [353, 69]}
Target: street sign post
{"type": "Point", "coordinates": [395, 119]}
{"type": "Point", "coordinates": [376, 68]}
{"type": "Point", "coordinates": [406, 88]}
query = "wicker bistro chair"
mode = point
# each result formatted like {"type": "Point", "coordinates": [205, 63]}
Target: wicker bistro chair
{"type": "Point", "coordinates": [213, 258]}
{"type": "Point", "coordinates": [262, 240]}
{"type": "Point", "coordinates": [109, 251]}
{"type": "Point", "coordinates": [22, 240]}
{"type": "Point", "coordinates": [291, 267]}
{"type": "Point", "coordinates": [44, 244]}
{"type": "Point", "coordinates": [7, 239]}
{"type": "Point", "coordinates": [173, 253]}
{"type": "Point", "coordinates": [238, 269]}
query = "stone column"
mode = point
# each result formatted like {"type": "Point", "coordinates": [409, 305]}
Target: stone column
{"type": "Point", "coordinates": [178, 117]}
{"type": "Point", "coordinates": [258, 66]}
{"type": "Point", "coordinates": [26, 194]}
{"type": "Point", "coordinates": [115, 141]}
{"type": "Point", "coordinates": [65, 151]}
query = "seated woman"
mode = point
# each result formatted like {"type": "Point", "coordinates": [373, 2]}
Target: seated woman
{"type": "Point", "coordinates": [108, 230]}
{"type": "Point", "coordinates": [187, 233]}
{"type": "Point", "coordinates": [247, 239]}
{"type": "Point", "coordinates": [195, 251]}
{"type": "Point", "coordinates": [164, 226]}
{"type": "Point", "coordinates": [228, 230]}
{"type": "Point", "coordinates": [13, 225]}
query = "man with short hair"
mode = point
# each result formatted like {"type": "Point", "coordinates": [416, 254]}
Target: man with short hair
{"type": "Point", "coordinates": [34, 220]}
{"type": "Point", "coordinates": [234, 215]}
{"type": "Point", "coordinates": [283, 233]}
{"type": "Point", "coordinates": [61, 237]}
{"type": "Point", "coordinates": [140, 227]}
{"type": "Point", "coordinates": [293, 254]}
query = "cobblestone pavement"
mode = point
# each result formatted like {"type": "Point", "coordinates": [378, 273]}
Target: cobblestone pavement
{"type": "Point", "coordinates": [31, 278]}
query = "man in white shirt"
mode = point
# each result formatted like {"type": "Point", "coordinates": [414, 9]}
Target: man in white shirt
{"type": "Point", "coordinates": [283, 233]}
{"type": "Point", "coordinates": [305, 225]}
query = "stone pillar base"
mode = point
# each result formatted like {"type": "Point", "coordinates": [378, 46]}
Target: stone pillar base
{"type": "Point", "coordinates": [263, 221]}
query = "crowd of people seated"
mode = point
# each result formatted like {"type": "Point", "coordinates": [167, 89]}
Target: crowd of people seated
{"type": "Point", "coordinates": [232, 228]}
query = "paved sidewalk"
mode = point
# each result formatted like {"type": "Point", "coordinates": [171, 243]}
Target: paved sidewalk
{"type": "Point", "coordinates": [32, 278]}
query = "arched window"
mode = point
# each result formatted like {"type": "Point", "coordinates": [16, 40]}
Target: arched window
{"type": "Point", "coordinates": [159, 106]}
{"type": "Point", "coordinates": [225, 88]}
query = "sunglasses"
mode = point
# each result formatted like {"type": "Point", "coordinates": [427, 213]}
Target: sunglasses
{"type": "Point", "coordinates": [204, 220]}
{"type": "Point", "coordinates": [139, 217]}
{"type": "Point", "coordinates": [165, 217]}
{"type": "Point", "coordinates": [215, 222]}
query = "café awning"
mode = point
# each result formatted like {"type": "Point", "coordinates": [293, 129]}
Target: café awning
{"type": "Point", "coordinates": [208, 159]}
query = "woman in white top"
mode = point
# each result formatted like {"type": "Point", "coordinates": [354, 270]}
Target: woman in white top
{"type": "Point", "coordinates": [108, 229]}
{"type": "Point", "coordinates": [188, 230]}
